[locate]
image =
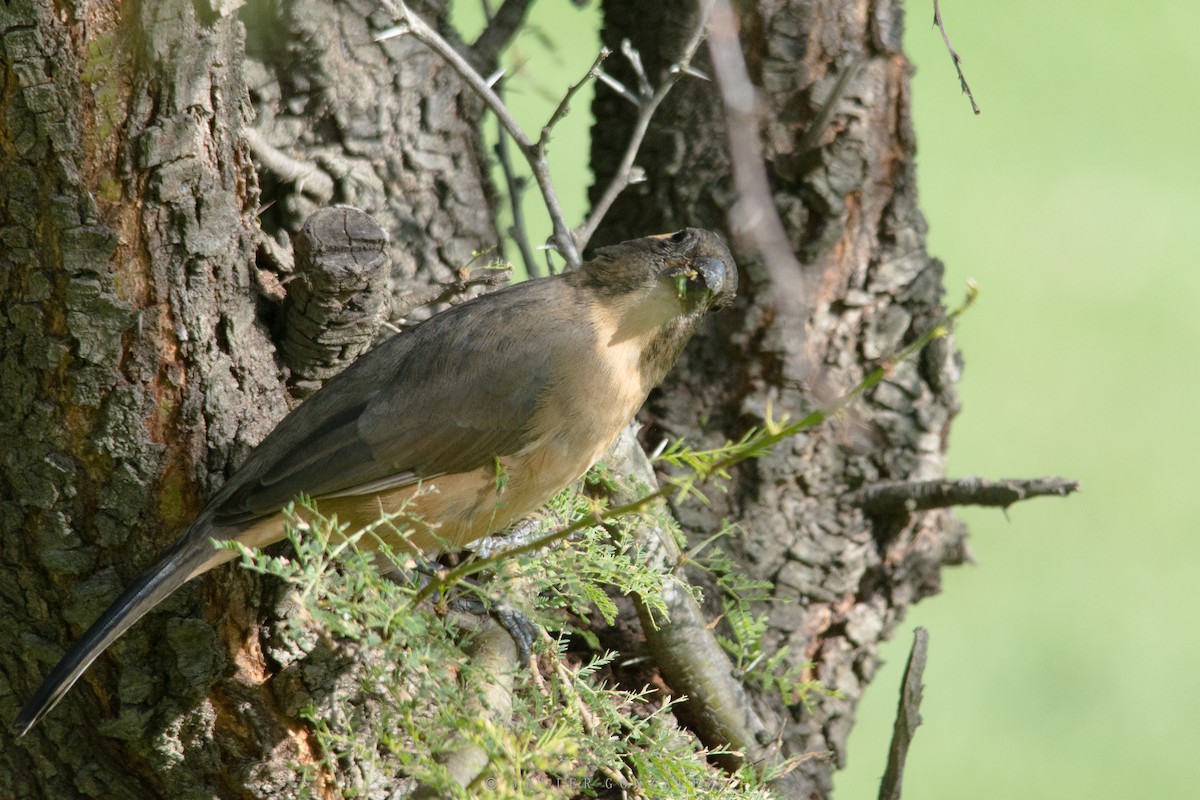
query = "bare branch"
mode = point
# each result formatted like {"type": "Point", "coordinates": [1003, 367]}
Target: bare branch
{"type": "Point", "coordinates": [494, 655]}
{"type": "Point", "coordinates": [499, 32]}
{"type": "Point", "coordinates": [516, 193]}
{"type": "Point", "coordinates": [309, 179]}
{"type": "Point", "coordinates": [890, 498]}
{"type": "Point", "coordinates": [568, 243]}
{"type": "Point", "coordinates": [908, 716]}
{"type": "Point", "coordinates": [753, 217]}
{"type": "Point", "coordinates": [564, 105]}
{"type": "Point", "coordinates": [647, 104]}
{"type": "Point", "coordinates": [954, 56]}
{"type": "Point", "coordinates": [465, 279]}
{"type": "Point", "coordinates": [413, 25]}
{"type": "Point", "coordinates": [682, 642]}
{"type": "Point", "coordinates": [635, 61]}
{"type": "Point", "coordinates": [619, 88]}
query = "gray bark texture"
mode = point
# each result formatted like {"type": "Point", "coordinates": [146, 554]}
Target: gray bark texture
{"type": "Point", "coordinates": [156, 157]}
{"type": "Point", "coordinates": [842, 580]}
{"type": "Point", "coordinates": [139, 328]}
{"type": "Point", "coordinates": [383, 126]}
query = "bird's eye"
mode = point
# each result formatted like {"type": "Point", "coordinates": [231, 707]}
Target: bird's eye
{"type": "Point", "coordinates": [679, 236]}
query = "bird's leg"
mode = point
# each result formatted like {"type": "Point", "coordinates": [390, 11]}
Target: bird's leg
{"type": "Point", "coordinates": [517, 535]}
{"type": "Point", "coordinates": [520, 627]}
{"type": "Point", "coordinates": [523, 630]}
{"type": "Point", "coordinates": [419, 572]}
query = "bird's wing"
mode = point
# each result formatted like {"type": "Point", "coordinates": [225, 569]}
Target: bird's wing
{"type": "Point", "coordinates": [449, 396]}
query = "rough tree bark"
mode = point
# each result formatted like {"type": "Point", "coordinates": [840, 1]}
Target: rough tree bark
{"type": "Point", "coordinates": [385, 127]}
{"type": "Point", "coordinates": [139, 315]}
{"type": "Point", "coordinates": [137, 352]}
{"type": "Point", "coordinates": [848, 201]}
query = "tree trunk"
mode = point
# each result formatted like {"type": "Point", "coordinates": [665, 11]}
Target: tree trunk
{"type": "Point", "coordinates": [138, 357]}
{"type": "Point", "coordinates": [153, 156]}
{"type": "Point", "coordinates": [387, 126]}
{"type": "Point", "coordinates": [846, 193]}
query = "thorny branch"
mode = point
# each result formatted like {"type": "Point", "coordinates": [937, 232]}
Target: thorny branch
{"type": "Point", "coordinates": [564, 105]}
{"type": "Point", "coordinates": [307, 178]}
{"type": "Point", "coordinates": [568, 243]}
{"type": "Point", "coordinates": [534, 152]}
{"type": "Point", "coordinates": [647, 102]}
{"type": "Point", "coordinates": [954, 56]}
{"type": "Point", "coordinates": [500, 29]}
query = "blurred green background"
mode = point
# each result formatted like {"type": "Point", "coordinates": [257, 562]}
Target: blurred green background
{"type": "Point", "coordinates": [1066, 662]}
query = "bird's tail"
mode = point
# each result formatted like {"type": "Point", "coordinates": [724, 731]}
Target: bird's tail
{"type": "Point", "coordinates": [191, 554]}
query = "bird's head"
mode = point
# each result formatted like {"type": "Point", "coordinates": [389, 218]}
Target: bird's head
{"type": "Point", "coordinates": [651, 293]}
{"type": "Point", "coordinates": [699, 267]}
{"type": "Point", "coordinates": [693, 264]}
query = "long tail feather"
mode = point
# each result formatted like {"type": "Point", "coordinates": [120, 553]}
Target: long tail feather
{"type": "Point", "coordinates": [191, 554]}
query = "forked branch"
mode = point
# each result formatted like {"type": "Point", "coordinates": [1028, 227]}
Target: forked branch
{"type": "Point", "coordinates": [569, 243]}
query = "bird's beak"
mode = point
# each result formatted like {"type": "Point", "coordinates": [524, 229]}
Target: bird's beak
{"type": "Point", "coordinates": [716, 275]}
{"type": "Point", "coordinates": [704, 282]}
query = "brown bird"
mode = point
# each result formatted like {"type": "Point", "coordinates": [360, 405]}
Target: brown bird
{"type": "Point", "coordinates": [532, 382]}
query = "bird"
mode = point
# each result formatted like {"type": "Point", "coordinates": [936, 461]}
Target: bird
{"type": "Point", "coordinates": [462, 425]}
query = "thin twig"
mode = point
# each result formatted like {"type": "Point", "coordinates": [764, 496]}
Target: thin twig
{"type": "Point", "coordinates": [499, 32]}
{"type": "Point", "coordinates": [568, 243]}
{"type": "Point", "coordinates": [954, 56]}
{"type": "Point", "coordinates": [309, 179]}
{"type": "Point", "coordinates": [449, 291]}
{"type": "Point", "coordinates": [908, 716]}
{"type": "Point", "coordinates": [413, 25]}
{"type": "Point", "coordinates": [619, 88]}
{"type": "Point", "coordinates": [516, 194]}
{"type": "Point", "coordinates": [647, 105]}
{"type": "Point", "coordinates": [564, 105]}
{"type": "Point", "coordinates": [635, 62]}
